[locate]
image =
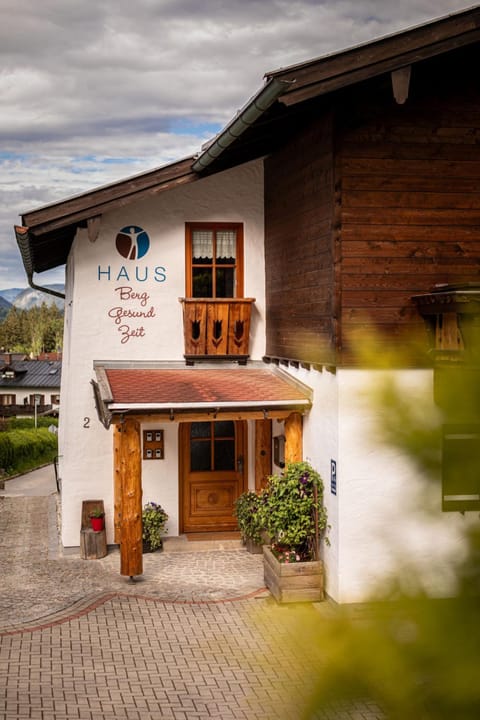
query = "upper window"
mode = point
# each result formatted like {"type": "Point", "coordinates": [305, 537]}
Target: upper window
{"type": "Point", "coordinates": [214, 255]}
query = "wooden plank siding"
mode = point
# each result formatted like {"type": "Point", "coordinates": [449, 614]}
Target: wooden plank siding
{"type": "Point", "coordinates": [410, 211]}
{"type": "Point", "coordinates": [369, 204]}
{"type": "Point", "coordinates": [298, 246]}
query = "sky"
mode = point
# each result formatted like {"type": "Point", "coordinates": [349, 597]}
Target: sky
{"type": "Point", "coordinates": [93, 92]}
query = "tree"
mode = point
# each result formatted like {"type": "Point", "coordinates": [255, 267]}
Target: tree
{"type": "Point", "coordinates": [39, 329]}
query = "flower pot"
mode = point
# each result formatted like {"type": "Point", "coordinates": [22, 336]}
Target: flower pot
{"type": "Point", "coordinates": [96, 523]}
{"type": "Point", "coordinates": [253, 547]}
{"type": "Point", "coordinates": [147, 548]}
{"type": "Point", "coordinates": [293, 582]}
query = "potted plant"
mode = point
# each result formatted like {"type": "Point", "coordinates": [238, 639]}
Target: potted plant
{"type": "Point", "coordinates": [154, 520]}
{"type": "Point", "coordinates": [293, 515]}
{"type": "Point", "coordinates": [97, 519]}
{"type": "Point", "coordinates": [249, 521]}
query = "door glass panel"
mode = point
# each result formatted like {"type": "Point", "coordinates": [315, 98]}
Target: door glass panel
{"type": "Point", "coordinates": [224, 455]}
{"type": "Point", "coordinates": [224, 428]}
{"type": "Point", "coordinates": [200, 430]}
{"type": "Point", "coordinates": [212, 438]}
{"type": "Point", "coordinates": [200, 456]}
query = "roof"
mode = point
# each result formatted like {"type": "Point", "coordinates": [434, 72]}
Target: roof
{"type": "Point", "coordinates": [386, 54]}
{"type": "Point", "coordinates": [31, 374]}
{"type": "Point", "coordinates": [174, 389]}
{"type": "Point", "coordinates": [47, 233]}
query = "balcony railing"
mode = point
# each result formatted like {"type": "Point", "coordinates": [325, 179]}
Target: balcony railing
{"type": "Point", "coordinates": [216, 328]}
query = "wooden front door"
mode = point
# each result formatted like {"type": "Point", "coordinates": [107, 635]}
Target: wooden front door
{"type": "Point", "coordinates": [212, 474]}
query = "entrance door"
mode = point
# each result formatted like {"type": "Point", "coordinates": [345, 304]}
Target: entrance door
{"type": "Point", "coordinates": [213, 474]}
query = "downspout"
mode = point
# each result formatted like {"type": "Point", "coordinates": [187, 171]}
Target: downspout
{"type": "Point", "coordinates": [22, 235]}
{"type": "Point", "coordinates": [254, 108]}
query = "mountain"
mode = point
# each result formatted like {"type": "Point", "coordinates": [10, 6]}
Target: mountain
{"type": "Point", "coordinates": [29, 298]}
{"type": "Point", "coordinates": [10, 294]}
{"type": "Point", "coordinates": [26, 298]}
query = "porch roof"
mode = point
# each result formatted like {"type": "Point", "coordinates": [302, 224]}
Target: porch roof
{"type": "Point", "coordinates": [175, 389]}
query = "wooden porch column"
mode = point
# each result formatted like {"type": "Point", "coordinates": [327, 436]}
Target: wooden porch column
{"type": "Point", "coordinates": [131, 559]}
{"type": "Point", "coordinates": [263, 452]}
{"type": "Point", "coordinates": [117, 484]}
{"type": "Point", "coordinates": [293, 438]}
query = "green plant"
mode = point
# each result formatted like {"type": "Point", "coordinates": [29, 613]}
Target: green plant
{"type": "Point", "coordinates": [21, 450]}
{"type": "Point", "coordinates": [292, 512]}
{"type": "Point", "coordinates": [249, 520]}
{"type": "Point", "coordinates": [96, 513]}
{"type": "Point", "coordinates": [154, 519]}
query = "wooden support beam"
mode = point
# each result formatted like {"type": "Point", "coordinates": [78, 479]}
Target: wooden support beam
{"type": "Point", "coordinates": [131, 559]}
{"type": "Point", "coordinates": [117, 484]}
{"type": "Point", "coordinates": [293, 438]}
{"type": "Point", "coordinates": [204, 416]}
{"type": "Point", "coordinates": [401, 83]}
{"type": "Point", "coordinates": [93, 227]}
{"type": "Point", "coordinates": [263, 452]}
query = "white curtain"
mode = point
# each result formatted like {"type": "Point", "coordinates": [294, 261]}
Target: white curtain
{"type": "Point", "coordinates": [226, 245]}
{"type": "Point", "coordinates": [202, 242]}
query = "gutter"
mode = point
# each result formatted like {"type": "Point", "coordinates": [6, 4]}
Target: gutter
{"type": "Point", "coordinates": [255, 107]}
{"type": "Point", "coordinates": [222, 405]}
{"type": "Point", "coordinates": [22, 235]}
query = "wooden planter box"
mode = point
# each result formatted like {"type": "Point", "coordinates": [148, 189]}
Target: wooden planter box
{"type": "Point", "coordinates": [293, 582]}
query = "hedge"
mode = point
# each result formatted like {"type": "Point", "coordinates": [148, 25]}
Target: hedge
{"type": "Point", "coordinates": [20, 446]}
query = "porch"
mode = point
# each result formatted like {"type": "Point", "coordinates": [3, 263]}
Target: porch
{"type": "Point", "coordinates": [130, 398]}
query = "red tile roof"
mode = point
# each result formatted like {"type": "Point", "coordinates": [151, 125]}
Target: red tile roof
{"type": "Point", "coordinates": [198, 385]}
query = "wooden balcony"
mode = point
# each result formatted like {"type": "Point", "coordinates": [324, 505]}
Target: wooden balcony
{"type": "Point", "coordinates": [217, 328]}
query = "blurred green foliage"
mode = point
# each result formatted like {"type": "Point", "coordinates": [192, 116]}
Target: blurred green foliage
{"type": "Point", "coordinates": [414, 657]}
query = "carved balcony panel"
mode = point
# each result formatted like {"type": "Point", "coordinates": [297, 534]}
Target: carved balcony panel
{"type": "Point", "coordinates": [217, 328]}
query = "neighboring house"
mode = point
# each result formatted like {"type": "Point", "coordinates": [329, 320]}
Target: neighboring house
{"type": "Point", "coordinates": [28, 386]}
{"type": "Point", "coordinates": [210, 303]}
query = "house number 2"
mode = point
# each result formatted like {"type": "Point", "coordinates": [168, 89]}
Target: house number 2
{"type": "Point", "coordinates": [86, 422]}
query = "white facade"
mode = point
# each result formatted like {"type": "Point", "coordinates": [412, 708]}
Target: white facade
{"type": "Point", "coordinates": [100, 285]}
{"type": "Point", "coordinates": [386, 523]}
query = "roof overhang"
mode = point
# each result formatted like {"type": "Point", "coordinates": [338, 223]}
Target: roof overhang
{"type": "Point", "coordinates": [175, 392]}
{"type": "Point", "coordinates": [47, 233]}
{"type": "Point", "coordinates": [385, 55]}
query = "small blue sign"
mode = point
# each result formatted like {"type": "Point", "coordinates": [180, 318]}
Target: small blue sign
{"type": "Point", "coordinates": [333, 477]}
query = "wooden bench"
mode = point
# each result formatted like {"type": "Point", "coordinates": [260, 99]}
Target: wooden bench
{"type": "Point", "coordinates": [93, 544]}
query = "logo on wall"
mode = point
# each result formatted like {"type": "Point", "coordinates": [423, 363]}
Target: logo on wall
{"type": "Point", "coordinates": [132, 242]}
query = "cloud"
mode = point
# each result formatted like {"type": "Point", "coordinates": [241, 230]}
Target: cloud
{"type": "Point", "coordinates": [93, 92]}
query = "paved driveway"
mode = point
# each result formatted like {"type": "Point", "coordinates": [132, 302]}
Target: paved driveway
{"type": "Point", "coordinates": [197, 637]}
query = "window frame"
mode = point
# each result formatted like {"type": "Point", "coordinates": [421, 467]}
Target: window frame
{"type": "Point", "coordinates": [460, 482]}
{"type": "Point", "coordinates": [239, 265]}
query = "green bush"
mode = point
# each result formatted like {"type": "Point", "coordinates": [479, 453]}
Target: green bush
{"type": "Point", "coordinates": [287, 512]}
{"type": "Point", "coordinates": [249, 522]}
{"type": "Point", "coordinates": [27, 423]}
{"type": "Point", "coordinates": [154, 520]}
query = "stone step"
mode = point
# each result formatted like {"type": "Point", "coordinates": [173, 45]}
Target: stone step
{"type": "Point", "coordinates": [182, 543]}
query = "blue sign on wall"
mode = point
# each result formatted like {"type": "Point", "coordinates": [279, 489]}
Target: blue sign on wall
{"type": "Point", "coordinates": [333, 477]}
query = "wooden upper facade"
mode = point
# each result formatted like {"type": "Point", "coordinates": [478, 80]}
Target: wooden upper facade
{"type": "Point", "coordinates": [372, 196]}
{"type": "Point", "coordinates": [370, 203]}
